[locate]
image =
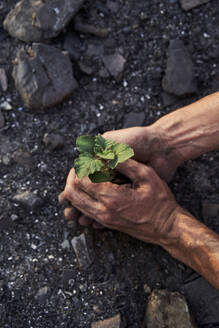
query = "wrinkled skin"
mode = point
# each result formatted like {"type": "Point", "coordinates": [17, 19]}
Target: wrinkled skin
{"type": "Point", "coordinates": [149, 148]}
{"type": "Point", "coordinates": [142, 208]}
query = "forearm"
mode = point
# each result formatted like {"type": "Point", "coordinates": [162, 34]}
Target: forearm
{"type": "Point", "coordinates": [195, 245]}
{"type": "Point", "coordinates": [192, 130]}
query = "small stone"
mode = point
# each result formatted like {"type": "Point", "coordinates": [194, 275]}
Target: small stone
{"type": "Point", "coordinates": [54, 141]}
{"type": "Point", "coordinates": [167, 309]}
{"type": "Point", "coordinates": [22, 157]}
{"type": "Point", "coordinates": [65, 244]}
{"type": "Point", "coordinates": [3, 79]}
{"type": "Point", "coordinates": [204, 302]}
{"type": "Point", "coordinates": [113, 6]}
{"type": "Point", "coordinates": [43, 294]}
{"type": "Point", "coordinates": [134, 119]}
{"type": "Point", "coordinates": [82, 27]}
{"type": "Point", "coordinates": [2, 120]}
{"type": "Point", "coordinates": [179, 76]}
{"type": "Point", "coordinates": [39, 20]}
{"type": "Point", "coordinates": [6, 160]}
{"type": "Point", "coordinates": [85, 68]}
{"type": "Point", "coordinates": [43, 75]}
{"type": "Point", "coordinates": [14, 217]}
{"type": "Point", "coordinates": [5, 105]}
{"type": "Point", "coordinates": [113, 322]}
{"type": "Point", "coordinates": [28, 199]}
{"type": "Point", "coordinates": [190, 4]}
{"type": "Point", "coordinates": [83, 247]}
{"type": "Point", "coordinates": [115, 64]}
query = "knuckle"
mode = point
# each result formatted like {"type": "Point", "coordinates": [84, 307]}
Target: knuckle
{"type": "Point", "coordinates": [68, 193]}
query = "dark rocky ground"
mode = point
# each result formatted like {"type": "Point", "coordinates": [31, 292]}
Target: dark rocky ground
{"type": "Point", "coordinates": [40, 282]}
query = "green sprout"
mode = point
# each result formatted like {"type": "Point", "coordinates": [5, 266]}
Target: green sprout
{"type": "Point", "coordinates": [99, 157]}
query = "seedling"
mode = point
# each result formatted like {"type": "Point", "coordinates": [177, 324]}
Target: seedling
{"type": "Point", "coordinates": [99, 157]}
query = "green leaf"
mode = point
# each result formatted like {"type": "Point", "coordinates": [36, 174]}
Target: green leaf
{"type": "Point", "coordinates": [106, 154]}
{"type": "Point", "coordinates": [123, 152]}
{"type": "Point", "coordinates": [86, 164]}
{"type": "Point", "coordinates": [100, 177]}
{"type": "Point", "coordinates": [113, 162]}
{"type": "Point", "coordinates": [102, 144]}
{"type": "Point", "coordinates": [85, 144]}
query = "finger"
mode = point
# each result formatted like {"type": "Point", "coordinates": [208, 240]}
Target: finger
{"type": "Point", "coordinates": [62, 200]}
{"type": "Point", "coordinates": [86, 204]}
{"type": "Point", "coordinates": [135, 171]}
{"type": "Point", "coordinates": [69, 185]}
{"type": "Point", "coordinates": [96, 190]}
{"type": "Point", "coordinates": [71, 213]}
{"type": "Point", "coordinates": [85, 220]}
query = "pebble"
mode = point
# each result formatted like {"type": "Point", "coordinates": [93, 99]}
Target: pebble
{"type": "Point", "coordinates": [43, 294]}
{"type": "Point", "coordinates": [167, 309]}
{"type": "Point", "coordinates": [65, 244]}
{"type": "Point", "coordinates": [115, 64]}
{"type": "Point", "coordinates": [3, 79]}
{"type": "Point", "coordinates": [82, 27]}
{"type": "Point", "coordinates": [53, 141]}
{"type": "Point", "coordinates": [28, 199]}
{"type": "Point", "coordinates": [83, 247]}
{"type": "Point", "coordinates": [22, 157]}
{"type": "Point", "coordinates": [31, 21]}
{"type": "Point", "coordinates": [5, 105]}
{"type": "Point", "coordinates": [113, 322]}
{"type": "Point", "coordinates": [43, 75]}
{"type": "Point", "coordinates": [190, 4]}
{"type": "Point", "coordinates": [179, 77]}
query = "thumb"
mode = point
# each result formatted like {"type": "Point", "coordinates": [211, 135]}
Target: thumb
{"type": "Point", "coordinates": [135, 171]}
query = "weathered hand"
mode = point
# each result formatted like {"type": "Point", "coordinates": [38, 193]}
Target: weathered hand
{"type": "Point", "coordinates": [150, 147]}
{"type": "Point", "coordinates": [142, 209]}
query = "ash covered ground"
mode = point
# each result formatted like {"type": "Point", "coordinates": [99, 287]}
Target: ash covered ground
{"type": "Point", "coordinates": [41, 284]}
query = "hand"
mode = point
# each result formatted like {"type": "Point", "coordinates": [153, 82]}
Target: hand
{"type": "Point", "coordinates": [150, 147]}
{"type": "Point", "coordinates": [142, 209]}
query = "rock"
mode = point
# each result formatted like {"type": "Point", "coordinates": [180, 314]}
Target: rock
{"type": "Point", "coordinates": [83, 27]}
{"type": "Point", "coordinates": [38, 20]}
{"type": "Point", "coordinates": [22, 157]}
{"type": "Point", "coordinates": [113, 322]}
{"type": "Point", "coordinates": [28, 199]}
{"type": "Point", "coordinates": [5, 105]}
{"type": "Point", "coordinates": [83, 247]}
{"type": "Point", "coordinates": [43, 294]}
{"type": "Point", "coordinates": [113, 6]}
{"type": "Point", "coordinates": [43, 75]}
{"type": "Point", "coordinates": [54, 141]}
{"type": "Point", "coordinates": [189, 4]}
{"type": "Point", "coordinates": [209, 210]}
{"type": "Point", "coordinates": [85, 68]}
{"type": "Point", "coordinates": [179, 77]}
{"type": "Point", "coordinates": [204, 302]}
{"type": "Point", "coordinates": [115, 64]}
{"type": "Point", "coordinates": [167, 309]}
{"type": "Point", "coordinates": [3, 80]}
{"type": "Point", "coordinates": [2, 120]}
{"type": "Point", "coordinates": [134, 119]}
{"type": "Point", "coordinates": [65, 244]}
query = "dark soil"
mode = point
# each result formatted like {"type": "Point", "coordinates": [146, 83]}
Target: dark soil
{"type": "Point", "coordinates": [31, 256]}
